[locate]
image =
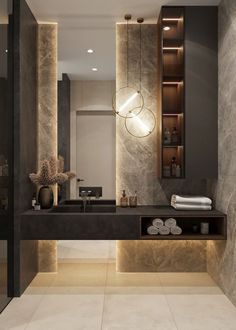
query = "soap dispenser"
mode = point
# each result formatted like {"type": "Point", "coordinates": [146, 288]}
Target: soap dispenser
{"type": "Point", "coordinates": [123, 199]}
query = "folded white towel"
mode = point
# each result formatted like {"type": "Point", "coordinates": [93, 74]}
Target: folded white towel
{"type": "Point", "coordinates": [191, 207]}
{"type": "Point", "coordinates": [164, 230]}
{"type": "Point", "coordinates": [191, 200]}
{"type": "Point", "coordinates": [151, 230]}
{"type": "Point", "coordinates": [171, 222]}
{"type": "Point", "coordinates": [176, 230]}
{"type": "Point", "coordinates": [157, 222]}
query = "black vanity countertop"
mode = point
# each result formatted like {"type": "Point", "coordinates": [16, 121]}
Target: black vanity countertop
{"type": "Point", "coordinates": [147, 210]}
{"type": "Point", "coordinates": [120, 225]}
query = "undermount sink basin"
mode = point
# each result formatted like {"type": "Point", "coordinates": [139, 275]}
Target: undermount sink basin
{"type": "Point", "coordinates": [79, 209]}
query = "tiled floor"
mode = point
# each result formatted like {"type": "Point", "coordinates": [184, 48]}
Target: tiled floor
{"type": "Point", "coordinates": [87, 295]}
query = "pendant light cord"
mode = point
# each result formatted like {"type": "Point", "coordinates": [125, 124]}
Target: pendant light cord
{"type": "Point", "coordinates": [140, 73]}
{"type": "Point", "coordinates": [127, 54]}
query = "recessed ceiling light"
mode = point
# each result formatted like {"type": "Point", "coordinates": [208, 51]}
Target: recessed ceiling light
{"type": "Point", "coordinates": [6, 50]}
{"type": "Point", "coordinates": [166, 28]}
{"type": "Point", "coordinates": [90, 51]}
{"type": "Point", "coordinates": [94, 69]}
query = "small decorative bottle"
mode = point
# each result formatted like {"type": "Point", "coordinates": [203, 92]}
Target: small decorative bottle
{"type": "Point", "coordinates": [167, 136]}
{"type": "Point", "coordinates": [34, 201]}
{"type": "Point", "coordinates": [173, 166]}
{"type": "Point", "coordinates": [178, 171]}
{"type": "Point", "coordinates": [123, 199]}
{"type": "Point", "coordinates": [174, 136]}
{"type": "Point", "coordinates": [133, 200]}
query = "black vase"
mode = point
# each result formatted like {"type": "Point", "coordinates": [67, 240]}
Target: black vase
{"type": "Point", "coordinates": [45, 197]}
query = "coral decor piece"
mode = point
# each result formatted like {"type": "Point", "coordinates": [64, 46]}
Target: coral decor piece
{"type": "Point", "coordinates": [51, 172]}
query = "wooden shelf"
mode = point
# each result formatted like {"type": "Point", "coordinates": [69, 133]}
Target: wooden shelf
{"type": "Point", "coordinates": [172, 145]}
{"type": "Point", "coordinates": [184, 237]}
{"type": "Point", "coordinates": [173, 42]}
{"type": "Point", "coordinates": [217, 227]}
{"type": "Point", "coordinates": [172, 90]}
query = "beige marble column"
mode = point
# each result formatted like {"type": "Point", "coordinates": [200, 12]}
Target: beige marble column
{"type": "Point", "coordinates": [47, 122]}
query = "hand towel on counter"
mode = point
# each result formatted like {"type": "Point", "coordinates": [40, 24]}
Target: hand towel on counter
{"type": "Point", "coordinates": [191, 207]}
{"type": "Point", "coordinates": [198, 200]}
{"type": "Point", "coordinates": [171, 222]}
{"type": "Point", "coordinates": [157, 223]}
{"type": "Point", "coordinates": [164, 230]}
{"type": "Point", "coordinates": [176, 230]}
{"type": "Point", "coordinates": [151, 230]}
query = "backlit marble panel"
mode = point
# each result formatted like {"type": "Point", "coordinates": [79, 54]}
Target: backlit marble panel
{"type": "Point", "coordinates": [47, 121]}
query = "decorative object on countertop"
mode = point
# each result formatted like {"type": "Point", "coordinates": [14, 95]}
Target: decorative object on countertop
{"type": "Point", "coordinates": [174, 136]}
{"type": "Point", "coordinates": [157, 223]}
{"type": "Point", "coordinates": [171, 222]}
{"type": "Point", "coordinates": [167, 136]}
{"type": "Point", "coordinates": [166, 171]}
{"type": "Point", "coordinates": [191, 202]}
{"type": "Point", "coordinates": [133, 200]}
{"type": "Point", "coordinates": [34, 201]}
{"type": "Point", "coordinates": [178, 171]}
{"type": "Point", "coordinates": [152, 230]}
{"type": "Point", "coordinates": [173, 166]}
{"type": "Point", "coordinates": [195, 228]}
{"type": "Point", "coordinates": [37, 207]}
{"type": "Point", "coordinates": [123, 199]}
{"type": "Point", "coordinates": [204, 228]}
{"type": "Point", "coordinates": [50, 173]}
{"type": "Point", "coordinates": [45, 197]}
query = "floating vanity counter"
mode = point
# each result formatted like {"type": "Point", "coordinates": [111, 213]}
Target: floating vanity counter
{"type": "Point", "coordinates": [120, 224]}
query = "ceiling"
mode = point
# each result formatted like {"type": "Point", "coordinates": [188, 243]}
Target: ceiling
{"type": "Point", "coordinates": [85, 24]}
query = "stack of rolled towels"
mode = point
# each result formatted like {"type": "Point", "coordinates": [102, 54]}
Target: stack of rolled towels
{"type": "Point", "coordinates": [191, 202]}
{"type": "Point", "coordinates": [166, 227]}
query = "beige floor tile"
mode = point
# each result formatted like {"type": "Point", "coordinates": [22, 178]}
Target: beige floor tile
{"type": "Point", "coordinates": [72, 312]}
{"type": "Point", "coordinates": [144, 312]}
{"type": "Point", "coordinates": [186, 280]}
{"type": "Point", "coordinates": [131, 280]}
{"type": "Point", "coordinates": [19, 312]}
{"type": "Point", "coordinates": [41, 283]}
{"type": "Point", "coordinates": [82, 274]}
{"type": "Point", "coordinates": [202, 312]}
{"type": "Point", "coordinates": [112, 250]}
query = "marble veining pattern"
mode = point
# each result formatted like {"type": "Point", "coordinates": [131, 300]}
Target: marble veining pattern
{"type": "Point", "coordinates": [221, 255]}
{"type": "Point", "coordinates": [47, 121]}
{"type": "Point", "coordinates": [137, 162]}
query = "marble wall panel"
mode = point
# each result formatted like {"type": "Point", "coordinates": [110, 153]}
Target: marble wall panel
{"type": "Point", "coordinates": [137, 162]}
{"type": "Point", "coordinates": [221, 255]}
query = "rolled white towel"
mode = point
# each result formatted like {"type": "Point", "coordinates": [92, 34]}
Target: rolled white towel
{"type": "Point", "coordinates": [164, 230]}
{"type": "Point", "coordinates": [171, 222]}
{"type": "Point", "coordinates": [176, 230]}
{"type": "Point", "coordinates": [191, 207]}
{"type": "Point", "coordinates": [151, 230]}
{"type": "Point", "coordinates": [157, 223]}
{"type": "Point", "coordinates": [202, 200]}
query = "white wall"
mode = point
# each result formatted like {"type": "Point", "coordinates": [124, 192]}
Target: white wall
{"type": "Point", "coordinates": [93, 135]}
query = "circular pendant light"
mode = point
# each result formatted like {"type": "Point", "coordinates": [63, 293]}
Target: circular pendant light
{"type": "Point", "coordinates": [127, 101]}
{"type": "Point", "coordinates": [142, 125]}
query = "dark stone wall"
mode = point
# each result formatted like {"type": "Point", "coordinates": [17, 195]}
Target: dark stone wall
{"type": "Point", "coordinates": [64, 127]}
{"type": "Point", "coordinates": [25, 91]}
